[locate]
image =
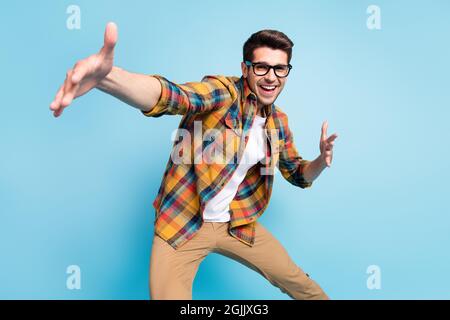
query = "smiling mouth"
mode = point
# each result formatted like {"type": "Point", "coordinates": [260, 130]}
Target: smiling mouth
{"type": "Point", "coordinates": [268, 89]}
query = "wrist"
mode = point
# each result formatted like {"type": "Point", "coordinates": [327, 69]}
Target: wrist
{"type": "Point", "coordinates": [321, 161]}
{"type": "Point", "coordinates": [107, 82]}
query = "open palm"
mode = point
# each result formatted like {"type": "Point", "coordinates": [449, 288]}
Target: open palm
{"type": "Point", "coordinates": [86, 73]}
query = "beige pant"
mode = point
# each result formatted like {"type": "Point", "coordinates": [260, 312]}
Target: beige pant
{"type": "Point", "coordinates": [172, 272]}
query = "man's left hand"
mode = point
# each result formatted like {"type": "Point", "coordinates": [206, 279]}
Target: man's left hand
{"type": "Point", "coordinates": [326, 145]}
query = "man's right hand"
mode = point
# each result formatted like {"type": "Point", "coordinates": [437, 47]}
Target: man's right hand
{"type": "Point", "coordinates": [86, 73]}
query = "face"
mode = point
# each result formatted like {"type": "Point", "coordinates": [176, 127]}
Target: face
{"type": "Point", "coordinates": [267, 87]}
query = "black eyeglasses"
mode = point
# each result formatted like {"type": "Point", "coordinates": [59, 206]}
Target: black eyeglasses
{"type": "Point", "coordinates": [261, 69]}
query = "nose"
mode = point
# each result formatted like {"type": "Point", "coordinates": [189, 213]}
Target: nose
{"type": "Point", "coordinates": [270, 76]}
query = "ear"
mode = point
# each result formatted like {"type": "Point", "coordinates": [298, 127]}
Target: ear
{"type": "Point", "coordinates": [244, 69]}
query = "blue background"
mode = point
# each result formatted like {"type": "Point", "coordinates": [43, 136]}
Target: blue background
{"type": "Point", "coordinates": [79, 189]}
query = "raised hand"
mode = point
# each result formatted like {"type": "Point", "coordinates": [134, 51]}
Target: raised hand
{"type": "Point", "coordinates": [326, 145]}
{"type": "Point", "coordinates": [86, 73]}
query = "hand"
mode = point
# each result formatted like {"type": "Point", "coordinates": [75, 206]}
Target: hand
{"type": "Point", "coordinates": [326, 145]}
{"type": "Point", "coordinates": [87, 73]}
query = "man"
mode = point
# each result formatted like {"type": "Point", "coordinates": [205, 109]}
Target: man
{"type": "Point", "coordinates": [207, 203]}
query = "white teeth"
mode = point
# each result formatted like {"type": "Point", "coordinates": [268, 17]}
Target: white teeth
{"type": "Point", "coordinates": [268, 87]}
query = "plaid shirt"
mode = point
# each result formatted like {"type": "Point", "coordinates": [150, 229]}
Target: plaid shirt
{"type": "Point", "coordinates": [225, 104]}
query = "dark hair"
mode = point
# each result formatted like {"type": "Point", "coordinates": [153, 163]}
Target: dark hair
{"type": "Point", "coordinates": [267, 38]}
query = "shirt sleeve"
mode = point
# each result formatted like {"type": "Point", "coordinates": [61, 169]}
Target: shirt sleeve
{"type": "Point", "coordinates": [211, 93]}
{"type": "Point", "coordinates": [291, 164]}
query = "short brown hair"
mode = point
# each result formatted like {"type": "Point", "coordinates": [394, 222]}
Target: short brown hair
{"type": "Point", "coordinates": [267, 38]}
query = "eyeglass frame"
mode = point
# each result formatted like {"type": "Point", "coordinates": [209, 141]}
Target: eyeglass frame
{"type": "Point", "coordinates": [249, 63]}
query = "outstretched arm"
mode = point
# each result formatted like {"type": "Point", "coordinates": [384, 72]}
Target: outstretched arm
{"type": "Point", "coordinates": [98, 71]}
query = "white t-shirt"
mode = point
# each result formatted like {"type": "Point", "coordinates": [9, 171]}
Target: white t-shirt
{"type": "Point", "coordinates": [218, 208]}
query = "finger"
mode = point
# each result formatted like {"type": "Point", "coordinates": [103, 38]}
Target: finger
{"type": "Point", "coordinates": [67, 88]}
{"type": "Point", "coordinates": [328, 161]}
{"type": "Point", "coordinates": [69, 96]}
{"type": "Point", "coordinates": [324, 130]}
{"type": "Point", "coordinates": [58, 112]}
{"type": "Point", "coordinates": [332, 138]}
{"type": "Point", "coordinates": [56, 102]}
{"type": "Point", "coordinates": [110, 40]}
{"type": "Point", "coordinates": [79, 72]}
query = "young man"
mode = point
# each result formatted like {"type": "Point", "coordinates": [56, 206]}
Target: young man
{"type": "Point", "coordinates": [208, 203]}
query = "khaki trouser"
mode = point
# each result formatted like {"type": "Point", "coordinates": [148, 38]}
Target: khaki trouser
{"type": "Point", "coordinates": [172, 272]}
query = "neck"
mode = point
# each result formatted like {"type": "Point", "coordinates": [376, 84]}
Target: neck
{"type": "Point", "coordinates": [262, 110]}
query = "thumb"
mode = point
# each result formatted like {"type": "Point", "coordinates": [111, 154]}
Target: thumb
{"type": "Point", "coordinates": [110, 40]}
